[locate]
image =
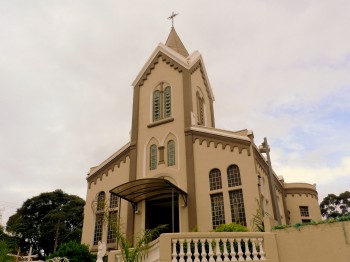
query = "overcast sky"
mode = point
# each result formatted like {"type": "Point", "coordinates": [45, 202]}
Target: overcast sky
{"type": "Point", "coordinates": [279, 68]}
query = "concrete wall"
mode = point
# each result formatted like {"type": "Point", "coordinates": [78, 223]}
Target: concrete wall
{"type": "Point", "coordinates": [321, 243]}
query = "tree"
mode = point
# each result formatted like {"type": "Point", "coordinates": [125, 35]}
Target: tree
{"type": "Point", "coordinates": [47, 220]}
{"type": "Point", "coordinates": [334, 206]}
{"type": "Point", "coordinates": [75, 252]}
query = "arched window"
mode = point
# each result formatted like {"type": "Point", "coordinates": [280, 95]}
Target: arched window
{"type": "Point", "coordinates": [167, 102]}
{"type": "Point", "coordinates": [156, 105]}
{"type": "Point", "coordinates": [161, 104]}
{"type": "Point", "coordinates": [153, 157]}
{"type": "Point", "coordinates": [101, 201]}
{"type": "Point", "coordinates": [215, 179]}
{"type": "Point", "coordinates": [171, 153]}
{"type": "Point", "coordinates": [113, 201]}
{"type": "Point", "coordinates": [233, 176]}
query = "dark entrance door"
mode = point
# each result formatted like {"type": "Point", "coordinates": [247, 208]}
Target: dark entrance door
{"type": "Point", "coordinates": [163, 211]}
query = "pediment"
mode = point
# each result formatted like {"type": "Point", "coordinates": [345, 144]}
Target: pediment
{"type": "Point", "coordinates": [175, 60]}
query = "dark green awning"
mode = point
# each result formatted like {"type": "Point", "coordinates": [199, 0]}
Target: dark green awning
{"type": "Point", "coordinates": [147, 189]}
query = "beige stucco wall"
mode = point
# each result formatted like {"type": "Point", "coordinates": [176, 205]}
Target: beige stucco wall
{"type": "Point", "coordinates": [160, 135]}
{"type": "Point", "coordinates": [208, 157]}
{"type": "Point", "coordinates": [161, 73]}
{"type": "Point", "coordinates": [198, 85]}
{"type": "Point", "coordinates": [301, 194]}
{"type": "Point", "coordinates": [321, 243]}
{"type": "Point", "coordinates": [105, 183]}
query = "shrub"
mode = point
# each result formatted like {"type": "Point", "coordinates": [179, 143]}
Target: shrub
{"type": "Point", "coordinates": [232, 227]}
{"type": "Point", "coordinates": [75, 252]}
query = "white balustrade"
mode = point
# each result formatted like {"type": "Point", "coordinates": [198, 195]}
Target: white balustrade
{"type": "Point", "coordinates": [217, 249]}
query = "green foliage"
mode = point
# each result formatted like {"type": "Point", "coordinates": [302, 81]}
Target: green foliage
{"type": "Point", "coordinates": [327, 221]}
{"type": "Point", "coordinates": [134, 253]}
{"type": "Point", "coordinates": [232, 227]}
{"type": "Point", "coordinates": [4, 250]}
{"type": "Point", "coordinates": [257, 222]}
{"type": "Point", "coordinates": [334, 206]}
{"type": "Point", "coordinates": [46, 217]}
{"type": "Point", "coordinates": [75, 252]}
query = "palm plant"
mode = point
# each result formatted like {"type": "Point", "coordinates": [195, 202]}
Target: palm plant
{"type": "Point", "coordinates": [130, 253]}
{"type": "Point", "coordinates": [257, 222]}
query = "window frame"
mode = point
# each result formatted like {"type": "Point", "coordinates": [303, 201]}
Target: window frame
{"type": "Point", "coordinates": [217, 209]}
{"type": "Point", "coordinates": [171, 154]}
{"type": "Point", "coordinates": [215, 180]}
{"type": "Point", "coordinates": [233, 176]}
{"type": "Point", "coordinates": [238, 215]}
{"type": "Point", "coordinates": [153, 157]}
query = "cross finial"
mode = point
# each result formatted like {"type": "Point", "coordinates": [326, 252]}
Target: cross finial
{"type": "Point", "coordinates": [172, 18]}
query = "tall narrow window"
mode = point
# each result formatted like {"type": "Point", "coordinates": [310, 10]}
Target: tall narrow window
{"type": "Point", "coordinates": [171, 153]}
{"type": "Point", "coordinates": [217, 209]}
{"type": "Point", "coordinates": [113, 201]}
{"type": "Point", "coordinates": [153, 157]}
{"type": "Point", "coordinates": [98, 228]}
{"type": "Point", "coordinates": [233, 176]}
{"type": "Point", "coordinates": [100, 206]}
{"type": "Point", "coordinates": [200, 109]}
{"type": "Point", "coordinates": [156, 105]}
{"type": "Point", "coordinates": [101, 201]}
{"type": "Point", "coordinates": [112, 219]}
{"type": "Point", "coordinates": [112, 226]}
{"type": "Point", "coordinates": [167, 102]}
{"type": "Point", "coordinates": [237, 207]}
{"type": "Point", "coordinates": [161, 102]}
{"type": "Point", "coordinates": [215, 179]}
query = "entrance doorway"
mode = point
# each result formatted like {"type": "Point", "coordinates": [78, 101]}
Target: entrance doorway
{"type": "Point", "coordinates": [163, 211]}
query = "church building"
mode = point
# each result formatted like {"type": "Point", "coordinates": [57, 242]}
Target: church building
{"type": "Point", "coordinates": [179, 169]}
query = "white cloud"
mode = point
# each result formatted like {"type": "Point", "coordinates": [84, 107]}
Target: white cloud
{"type": "Point", "coordinates": [66, 68]}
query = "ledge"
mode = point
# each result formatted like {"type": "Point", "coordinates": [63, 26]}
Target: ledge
{"type": "Point", "coordinates": [161, 122]}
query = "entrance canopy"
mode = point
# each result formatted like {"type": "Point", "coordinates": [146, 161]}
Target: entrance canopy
{"type": "Point", "coordinates": [148, 189]}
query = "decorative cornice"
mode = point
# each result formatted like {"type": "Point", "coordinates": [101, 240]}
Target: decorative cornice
{"type": "Point", "coordinates": [300, 191]}
{"type": "Point", "coordinates": [169, 61]}
{"type": "Point", "coordinates": [199, 65]}
{"type": "Point", "coordinates": [260, 161]}
{"type": "Point", "coordinates": [219, 139]}
{"type": "Point", "coordinates": [109, 166]}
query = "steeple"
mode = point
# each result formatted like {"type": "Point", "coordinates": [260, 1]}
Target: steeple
{"type": "Point", "coordinates": [174, 42]}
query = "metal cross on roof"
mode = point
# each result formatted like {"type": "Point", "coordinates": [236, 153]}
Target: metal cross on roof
{"type": "Point", "coordinates": [172, 18]}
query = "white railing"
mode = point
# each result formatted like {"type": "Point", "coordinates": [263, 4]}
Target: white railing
{"type": "Point", "coordinates": [217, 249]}
{"type": "Point", "coordinates": [210, 247]}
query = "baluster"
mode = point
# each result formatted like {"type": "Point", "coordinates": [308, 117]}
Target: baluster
{"type": "Point", "coordinates": [210, 253]}
{"type": "Point", "coordinates": [181, 254]}
{"type": "Point", "coordinates": [255, 252]}
{"type": "Point", "coordinates": [204, 252]}
{"type": "Point", "coordinates": [217, 250]}
{"type": "Point", "coordinates": [225, 253]}
{"type": "Point", "coordinates": [174, 254]}
{"type": "Point", "coordinates": [240, 253]}
{"type": "Point", "coordinates": [247, 251]}
{"type": "Point", "coordinates": [189, 253]}
{"type": "Point", "coordinates": [196, 254]}
{"type": "Point", "coordinates": [261, 249]}
{"type": "Point", "coordinates": [233, 251]}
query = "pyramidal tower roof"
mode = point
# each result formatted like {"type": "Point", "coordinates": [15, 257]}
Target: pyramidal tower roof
{"type": "Point", "coordinates": [174, 42]}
